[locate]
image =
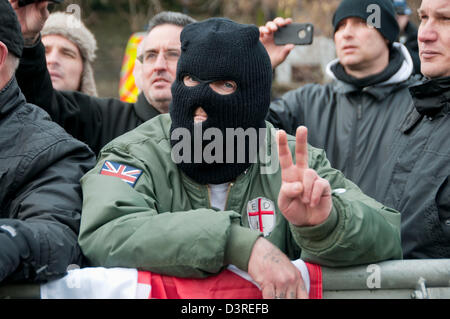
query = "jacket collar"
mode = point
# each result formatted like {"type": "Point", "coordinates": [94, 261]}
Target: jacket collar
{"type": "Point", "coordinates": [432, 96]}
{"type": "Point", "coordinates": [145, 110]}
{"type": "Point", "coordinates": [10, 97]}
{"type": "Point", "coordinates": [380, 90]}
{"type": "Point", "coordinates": [429, 99]}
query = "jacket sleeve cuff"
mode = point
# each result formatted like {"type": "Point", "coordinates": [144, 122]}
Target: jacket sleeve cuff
{"type": "Point", "coordinates": [35, 44]}
{"type": "Point", "coordinates": [34, 52]}
{"type": "Point", "coordinates": [306, 235]}
{"type": "Point", "coordinates": [239, 246]}
{"type": "Point", "coordinates": [13, 245]}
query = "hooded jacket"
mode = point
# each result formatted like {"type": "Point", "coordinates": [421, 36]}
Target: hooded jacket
{"type": "Point", "coordinates": [94, 121]}
{"type": "Point", "coordinates": [353, 126]}
{"type": "Point", "coordinates": [416, 177]}
{"type": "Point", "coordinates": [40, 194]}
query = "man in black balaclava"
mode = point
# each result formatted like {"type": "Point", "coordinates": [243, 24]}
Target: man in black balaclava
{"type": "Point", "coordinates": [194, 217]}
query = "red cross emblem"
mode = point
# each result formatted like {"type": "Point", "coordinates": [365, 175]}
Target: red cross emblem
{"type": "Point", "coordinates": [261, 215]}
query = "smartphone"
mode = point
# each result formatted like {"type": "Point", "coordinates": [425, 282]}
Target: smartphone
{"type": "Point", "coordinates": [23, 3]}
{"type": "Point", "coordinates": [295, 33]}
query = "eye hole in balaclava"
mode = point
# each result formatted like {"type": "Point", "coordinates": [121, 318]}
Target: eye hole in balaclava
{"type": "Point", "coordinates": [219, 52]}
{"type": "Point", "coordinates": [221, 87]}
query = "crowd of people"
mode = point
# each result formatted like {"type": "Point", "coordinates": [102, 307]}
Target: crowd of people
{"type": "Point", "coordinates": [361, 163]}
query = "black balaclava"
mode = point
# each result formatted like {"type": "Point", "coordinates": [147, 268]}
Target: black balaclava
{"type": "Point", "coordinates": [212, 50]}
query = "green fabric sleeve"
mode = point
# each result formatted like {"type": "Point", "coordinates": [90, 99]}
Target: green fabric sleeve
{"type": "Point", "coordinates": [124, 226]}
{"type": "Point", "coordinates": [240, 245]}
{"type": "Point", "coordinates": [359, 229]}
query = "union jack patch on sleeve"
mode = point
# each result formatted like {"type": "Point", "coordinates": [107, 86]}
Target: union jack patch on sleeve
{"type": "Point", "coordinates": [128, 174]}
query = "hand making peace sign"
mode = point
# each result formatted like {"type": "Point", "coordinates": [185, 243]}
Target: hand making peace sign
{"type": "Point", "coordinates": [304, 198]}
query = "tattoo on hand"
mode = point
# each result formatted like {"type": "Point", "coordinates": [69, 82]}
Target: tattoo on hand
{"type": "Point", "coordinates": [274, 255]}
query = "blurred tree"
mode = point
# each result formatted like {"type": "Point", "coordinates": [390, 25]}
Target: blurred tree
{"type": "Point", "coordinates": [414, 5]}
{"type": "Point", "coordinates": [137, 12]}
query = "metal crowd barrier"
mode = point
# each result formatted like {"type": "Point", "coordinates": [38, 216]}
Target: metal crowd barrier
{"type": "Point", "coordinates": [399, 279]}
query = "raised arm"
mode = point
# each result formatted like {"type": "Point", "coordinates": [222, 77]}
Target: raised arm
{"type": "Point", "coordinates": [86, 118]}
{"type": "Point", "coordinates": [32, 75]}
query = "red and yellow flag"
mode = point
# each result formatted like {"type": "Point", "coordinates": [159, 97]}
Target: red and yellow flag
{"type": "Point", "coordinates": [128, 91]}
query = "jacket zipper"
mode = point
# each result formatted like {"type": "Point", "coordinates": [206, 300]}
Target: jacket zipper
{"type": "Point", "coordinates": [209, 196]}
{"type": "Point", "coordinates": [351, 165]}
{"type": "Point", "coordinates": [228, 193]}
{"type": "Point", "coordinates": [359, 114]}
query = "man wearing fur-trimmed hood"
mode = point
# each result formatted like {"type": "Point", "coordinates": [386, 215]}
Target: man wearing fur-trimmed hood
{"type": "Point", "coordinates": [70, 51]}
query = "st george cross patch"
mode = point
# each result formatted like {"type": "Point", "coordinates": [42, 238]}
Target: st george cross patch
{"type": "Point", "coordinates": [261, 215]}
{"type": "Point", "coordinates": [128, 174]}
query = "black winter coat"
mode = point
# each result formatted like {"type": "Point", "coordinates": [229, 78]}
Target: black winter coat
{"type": "Point", "coordinates": [95, 121]}
{"type": "Point", "coordinates": [416, 178]}
{"type": "Point", "coordinates": [353, 126]}
{"type": "Point", "coordinates": [40, 194]}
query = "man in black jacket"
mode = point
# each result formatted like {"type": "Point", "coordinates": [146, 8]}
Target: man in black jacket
{"type": "Point", "coordinates": [416, 178]}
{"type": "Point", "coordinates": [40, 168]}
{"type": "Point", "coordinates": [353, 117]}
{"type": "Point", "coordinates": [92, 120]}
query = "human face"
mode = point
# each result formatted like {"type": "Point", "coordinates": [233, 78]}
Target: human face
{"type": "Point", "coordinates": [64, 62]}
{"type": "Point", "coordinates": [361, 49]}
{"type": "Point", "coordinates": [434, 38]}
{"type": "Point", "coordinates": [160, 53]}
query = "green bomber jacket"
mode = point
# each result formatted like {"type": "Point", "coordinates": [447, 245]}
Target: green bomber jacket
{"type": "Point", "coordinates": [163, 222]}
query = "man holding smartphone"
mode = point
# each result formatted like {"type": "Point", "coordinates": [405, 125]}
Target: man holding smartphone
{"type": "Point", "coordinates": [352, 117]}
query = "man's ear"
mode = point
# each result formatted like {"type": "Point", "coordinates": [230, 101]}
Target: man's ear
{"type": "Point", "coordinates": [3, 54]}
